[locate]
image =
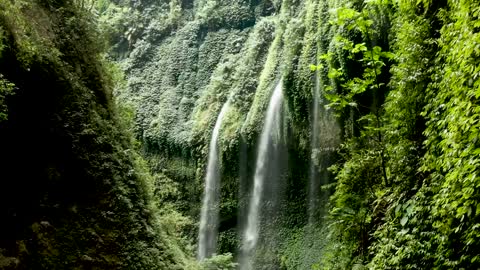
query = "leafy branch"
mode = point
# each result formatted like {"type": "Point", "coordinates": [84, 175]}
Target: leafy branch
{"type": "Point", "coordinates": [6, 89]}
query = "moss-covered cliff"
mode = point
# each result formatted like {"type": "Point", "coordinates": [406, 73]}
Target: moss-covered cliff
{"type": "Point", "coordinates": [73, 192]}
{"type": "Point", "coordinates": [394, 78]}
{"type": "Point", "coordinates": [181, 74]}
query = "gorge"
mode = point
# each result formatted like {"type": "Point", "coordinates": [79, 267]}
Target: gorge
{"type": "Point", "coordinates": [239, 134]}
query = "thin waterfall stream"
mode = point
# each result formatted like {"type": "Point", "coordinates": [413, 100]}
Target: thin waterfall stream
{"type": "Point", "coordinates": [209, 219]}
{"type": "Point", "coordinates": [314, 185]}
{"type": "Point", "coordinates": [325, 139]}
{"type": "Point", "coordinates": [271, 125]}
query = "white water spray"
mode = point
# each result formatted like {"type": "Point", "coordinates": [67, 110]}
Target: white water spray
{"type": "Point", "coordinates": [208, 231]}
{"type": "Point", "coordinates": [271, 125]}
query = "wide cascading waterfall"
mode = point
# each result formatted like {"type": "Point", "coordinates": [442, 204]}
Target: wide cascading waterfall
{"type": "Point", "coordinates": [272, 124]}
{"type": "Point", "coordinates": [208, 232]}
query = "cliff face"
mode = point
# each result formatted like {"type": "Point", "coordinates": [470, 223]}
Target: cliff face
{"type": "Point", "coordinates": [378, 65]}
{"type": "Point", "coordinates": [377, 160]}
{"type": "Point", "coordinates": [73, 193]}
{"type": "Point", "coordinates": [183, 60]}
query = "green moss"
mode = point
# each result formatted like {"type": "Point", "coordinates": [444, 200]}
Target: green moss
{"type": "Point", "coordinates": [87, 200]}
{"type": "Point", "coordinates": [267, 80]}
{"type": "Point", "coordinates": [186, 61]}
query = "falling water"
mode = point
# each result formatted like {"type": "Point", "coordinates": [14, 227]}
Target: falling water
{"type": "Point", "coordinates": [325, 141]}
{"type": "Point", "coordinates": [210, 208]}
{"type": "Point", "coordinates": [315, 145]}
{"type": "Point", "coordinates": [271, 125]}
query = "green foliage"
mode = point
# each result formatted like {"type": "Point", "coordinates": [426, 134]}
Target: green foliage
{"type": "Point", "coordinates": [354, 64]}
{"type": "Point", "coordinates": [88, 200]}
{"type": "Point", "coordinates": [32, 43]}
{"type": "Point", "coordinates": [6, 88]}
{"type": "Point", "coordinates": [405, 239]}
{"type": "Point", "coordinates": [451, 131]}
{"type": "Point", "coordinates": [402, 77]}
{"type": "Point", "coordinates": [424, 212]}
{"type": "Point", "coordinates": [372, 57]}
{"type": "Point", "coordinates": [225, 14]}
{"type": "Point", "coordinates": [119, 26]}
{"type": "Point", "coordinates": [267, 81]}
{"type": "Point", "coordinates": [2, 40]}
{"type": "Point", "coordinates": [219, 262]}
{"type": "Point", "coordinates": [304, 247]}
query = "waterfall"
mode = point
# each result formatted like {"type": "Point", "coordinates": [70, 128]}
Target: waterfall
{"type": "Point", "coordinates": [210, 207]}
{"type": "Point", "coordinates": [314, 185]}
{"type": "Point", "coordinates": [325, 140]}
{"type": "Point", "coordinates": [267, 139]}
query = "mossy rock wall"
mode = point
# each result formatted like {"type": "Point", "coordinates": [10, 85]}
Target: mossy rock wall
{"type": "Point", "coordinates": [74, 194]}
{"type": "Point", "coordinates": [219, 50]}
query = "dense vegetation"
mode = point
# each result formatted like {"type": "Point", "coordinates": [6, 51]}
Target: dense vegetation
{"type": "Point", "coordinates": [107, 109]}
{"type": "Point", "coordinates": [73, 192]}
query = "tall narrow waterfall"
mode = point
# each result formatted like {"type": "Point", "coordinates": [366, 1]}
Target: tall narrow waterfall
{"type": "Point", "coordinates": [208, 232]}
{"type": "Point", "coordinates": [325, 140]}
{"type": "Point", "coordinates": [314, 186]}
{"type": "Point", "coordinates": [267, 139]}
